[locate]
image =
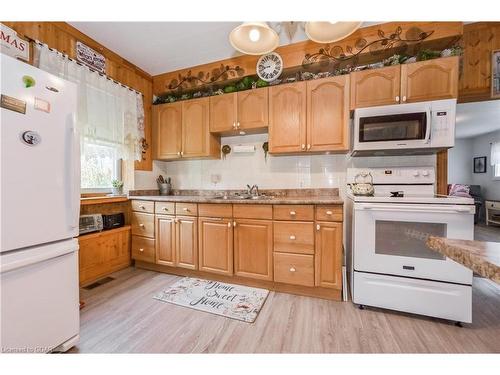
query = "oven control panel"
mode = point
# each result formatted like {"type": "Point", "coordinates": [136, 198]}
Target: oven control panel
{"type": "Point", "coordinates": [395, 175]}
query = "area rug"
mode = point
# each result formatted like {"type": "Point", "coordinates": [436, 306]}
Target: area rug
{"type": "Point", "coordinates": [229, 300]}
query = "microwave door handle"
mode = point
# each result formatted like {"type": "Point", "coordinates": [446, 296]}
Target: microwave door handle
{"type": "Point", "coordinates": [428, 126]}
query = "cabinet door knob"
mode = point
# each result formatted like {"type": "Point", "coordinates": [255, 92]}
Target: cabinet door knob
{"type": "Point", "coordinates": [234, 124]}
{"type": "Point", "coordinates": [234, 223]}
{"type": "Point", "coordinates": [185, 209]}
{"type": "Point", "coordinates": [141, 225]}
{"type": "Point", "coordinates": [229, 224]}
{"type": "Point", "coordinates": [176, 220]}
{"type": "Point", "coordinates": [318, 226]}
{"type": "Point", "coordinates": [404, 98]}
{"type": "Point", "coordinates": [329, 212]}
{"type": "Point", "coordinates": [292, 269]}
{"type": "Point", "coordinates": [397, 99]}
{"type": "Point", "coordinates": [308, 146]}
{"type": "Point", "coordinates": [303, 146]}
{"type": "Point", "coordinates": [141, 250]}
{"type": "Point", "coordinates": [293, 213]}
{"type": "Point", "coordinates": [238, 125]}
{"type": "Point", "coordinates": [179, 153]}
{"type": "Point", "coordinates": [292, 237]}
{"type": "Point", "coordinates": [182, 153]}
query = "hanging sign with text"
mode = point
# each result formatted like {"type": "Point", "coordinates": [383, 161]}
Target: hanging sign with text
{"type": "Point", "coordinates": [13, 45]}
{"type": "Point", "coordinates": [91, 58]}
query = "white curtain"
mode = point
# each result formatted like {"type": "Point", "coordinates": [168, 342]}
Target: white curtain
{"type": "Point", "coordinates": [107, 112]}
{"type": "Point", "coordinates": [495, 153]}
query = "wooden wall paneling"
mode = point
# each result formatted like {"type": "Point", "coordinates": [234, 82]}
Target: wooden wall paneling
{"type": "Point", "coordinates": [63, 37]}
{"type": "Point", "coordinates": [479, 40]}
{"type": "Point", "coordinates": [293, 54]}
{"type": "Point", "coordinates": [442, 172]}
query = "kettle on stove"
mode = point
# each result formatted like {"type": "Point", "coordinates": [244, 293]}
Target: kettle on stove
{"type": "Point", "coordinates": [363, 188]}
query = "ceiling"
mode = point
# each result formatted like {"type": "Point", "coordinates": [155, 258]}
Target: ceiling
{"type": "Point", "coordinates": [159, 47]}
{"type": "Point", "coordinates": [474, 119]}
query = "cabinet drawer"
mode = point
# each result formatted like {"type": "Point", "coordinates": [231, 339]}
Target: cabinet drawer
{"type": "Point", "coordinates": [252, 211]}
{"type": "Point", "coordinates": [215, 210]}
{"type": "Point", "coordinates": [143, 224]}
{"type": "Point", "coordinates": [295, 269]}
{"type": "Point", "coordinates": [329, 213]}
{"type": "Point", "coordinates": [143, 206]}
{"type": "Point", "coordinates": [186, 209]}
{"type": "Point", "coordinates": [165, 208]}
{"type": "Point", "coordinates": [143, 249]}
{"type": "Point", "coordinates": [293, 212]}
{"type": "Point", "coordinates": [294, 237]}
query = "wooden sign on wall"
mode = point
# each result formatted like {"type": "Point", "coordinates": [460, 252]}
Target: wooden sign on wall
{"type": "Point", "coordinates": [13, 45]}
{"type": "Point", "coordinates": [91, 58]}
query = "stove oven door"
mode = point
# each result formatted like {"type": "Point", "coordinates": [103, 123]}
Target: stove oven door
{"type": "Point", "coordinates": [389, 238]}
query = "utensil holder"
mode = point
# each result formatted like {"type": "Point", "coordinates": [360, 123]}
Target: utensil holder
{"type": "Point", "coordinates": [165, 189]}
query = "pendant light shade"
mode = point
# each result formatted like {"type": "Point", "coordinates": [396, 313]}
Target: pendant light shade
{"type": "Point", "coordinates": [254, 38]}
{"type": "Point", "coordinates": [328, 32]}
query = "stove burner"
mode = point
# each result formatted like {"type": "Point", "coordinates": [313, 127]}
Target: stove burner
{"type": "Point", "coordinates": [397, 194]}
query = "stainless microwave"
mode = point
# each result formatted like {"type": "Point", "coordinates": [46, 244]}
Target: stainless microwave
{"type": "Point", "coordinates": [413, 128]}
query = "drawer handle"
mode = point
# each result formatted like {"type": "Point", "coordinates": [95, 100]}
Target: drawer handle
{"type": "Point", "coordinates": [329, 212]}
{"type": "Point", "coordinates": [292, 269]}
{"type": "Point", "coordinates": [142, 207]}
{"type": "Point", "coordinates": [141, 225]}
{"type": "Point", "coordinates": [293, 213]}
{"type": "Point", "coordinates": [165, 209]}
{"type": "Point", "coordinates": [292, 237]}
{"type": "Point", "coordinates": [141, 250]}
{"type": "Point", "coordinates": [186, 209]}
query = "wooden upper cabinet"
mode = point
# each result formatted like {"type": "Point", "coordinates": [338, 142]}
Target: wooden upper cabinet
{"type": "Point", "coordinates": [167, 130]}
{"type": "Point", "coordinates": [165, 240]}
{"type": "Point", "coordinates": [253, 109]}
{"type": "Point", "coordinates": [196, 138]}
{"type": "Point", "coordinates": [186, 242]}
{"type": "Point", "coordinates": [375, 87]}
{"type": "Point", "coordinates": [429, 80]}
{"type": "Point", "coordinates": [328, 114]}
{"type": "Point", "coordinates": [328, 257]}
{"type": "Point", "coordinates": [223, 113]}
{"type": "Point", "coordinates": [215, 241]}
{"type": "Point", "coordinates": [253, 249]}
{"type": "Point", "coordinates": [287, 118]}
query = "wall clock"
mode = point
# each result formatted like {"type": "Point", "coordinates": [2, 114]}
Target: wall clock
{"type": "Point", "coordinates": [269, 66]}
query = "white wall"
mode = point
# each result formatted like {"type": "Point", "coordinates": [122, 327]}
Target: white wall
{"type": "Point", "coordinates": [460, 162]}
{"type": "Point", "coordinates": [307, 171]}
{"type": "Point", "coordinates": [481, 147]}
{"type": "Point", "coordinates": [146, 180]}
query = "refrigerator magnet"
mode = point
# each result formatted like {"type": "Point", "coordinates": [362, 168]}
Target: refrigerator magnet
{"type": "Point", "coordinates": [42, 105]}
{"type": "Point", "coordinates": [13, 104]}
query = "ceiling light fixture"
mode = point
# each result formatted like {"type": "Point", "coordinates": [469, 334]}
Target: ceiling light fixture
{"type": "Point", "coordinates": [329, 31]}
{"type": "Point", "coordinates": [254, 38]}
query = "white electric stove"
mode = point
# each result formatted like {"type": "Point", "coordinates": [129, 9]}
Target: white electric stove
{"type": "Point", "coordinates": [388, 262]}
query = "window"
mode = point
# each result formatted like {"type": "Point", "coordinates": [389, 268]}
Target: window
{"type": "Point", "coordinates": [100, 165]}
{"type": "Point", "coordinates": [495, 160]}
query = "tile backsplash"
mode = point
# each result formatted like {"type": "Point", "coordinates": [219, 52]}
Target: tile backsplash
{"type": "Point", "coordinates": [280, 172]}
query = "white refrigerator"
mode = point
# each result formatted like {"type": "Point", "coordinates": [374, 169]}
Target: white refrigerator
{"type": "Point", "coordinates": [40, 207]}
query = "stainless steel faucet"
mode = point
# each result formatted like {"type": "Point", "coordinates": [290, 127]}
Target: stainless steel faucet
{"type": "Point", "coordinates": [253, 190]}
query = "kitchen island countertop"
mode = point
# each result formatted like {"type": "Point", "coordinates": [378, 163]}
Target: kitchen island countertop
{"type": "Point", "coordinates": [481, 257]}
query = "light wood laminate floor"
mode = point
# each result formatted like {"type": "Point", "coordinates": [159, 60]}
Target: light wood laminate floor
{"type": "Point", "coordinates": [121, 316]}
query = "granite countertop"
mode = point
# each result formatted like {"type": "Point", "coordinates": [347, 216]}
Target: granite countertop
{"type": "Point", "coordinates": [270, 200]}
{"type": "Point", "coordinates": [481, 257]}
{"type": "Point", "coordinates": [285, 196]}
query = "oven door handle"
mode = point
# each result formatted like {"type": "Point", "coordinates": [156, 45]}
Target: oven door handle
{"type": "Point", "coordinates": [428, 126]}
{"type": "Point", "coordinates": [408, 208]}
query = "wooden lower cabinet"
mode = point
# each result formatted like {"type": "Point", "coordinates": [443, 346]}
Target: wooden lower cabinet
{"type": "Point", "coordinates": [328, 257]}
{"type": "Point", "coordinates": [253, 249]}
{"type": "Point", "coordinates": [215, 241]}
{"type": "Point", "coordinates": [295, 269]}
{"type": "Point", "coordinates": [103, 253]}
{"type": "Point", "coordinates": [186, 242]}
{"type": "Point", "coordinates": [165, 240]}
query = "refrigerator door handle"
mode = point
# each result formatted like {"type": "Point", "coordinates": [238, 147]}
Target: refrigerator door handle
{"type": "Point", "coordinates": [73, 185]}
{"type": "Point", "coordinates": [41, 256]}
